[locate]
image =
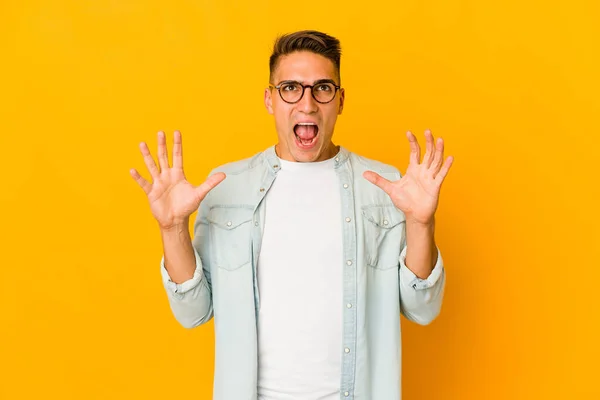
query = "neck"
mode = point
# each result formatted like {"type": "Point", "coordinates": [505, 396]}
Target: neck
{"type": "Point", "coordinates": [330, 151]}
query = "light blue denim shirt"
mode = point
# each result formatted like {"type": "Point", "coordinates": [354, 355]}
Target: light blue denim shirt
{"type": "Point", "coordinates": [377, 285]}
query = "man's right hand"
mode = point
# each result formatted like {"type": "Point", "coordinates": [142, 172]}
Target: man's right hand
{"type": "Point", "coordinates": [172, 198]}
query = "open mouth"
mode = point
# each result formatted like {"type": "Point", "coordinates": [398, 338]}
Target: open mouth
{"type": "Point", "coordinates": [306, 134]}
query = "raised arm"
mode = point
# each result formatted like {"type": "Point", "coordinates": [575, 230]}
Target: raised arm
{"type": "Point", "coordinates": [172, 200]}
{"type": "Point", "coordinates": [421, 274]}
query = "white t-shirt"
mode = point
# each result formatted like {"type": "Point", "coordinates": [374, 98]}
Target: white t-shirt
{"type": "Point", "coordinates": [300, 280]}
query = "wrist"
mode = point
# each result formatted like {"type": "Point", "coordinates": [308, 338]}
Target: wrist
{"type": "Point", "coordinates": [423, 225]}
{"type": "Point", "coordinates": [177, 227]}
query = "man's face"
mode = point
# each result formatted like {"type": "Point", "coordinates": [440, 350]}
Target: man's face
{"type": "Point", "coordinates": [305, 128]}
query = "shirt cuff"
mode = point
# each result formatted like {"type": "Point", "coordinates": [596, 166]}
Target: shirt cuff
{"type": "Point", "coordinates": [414, 281]}
{"type": "Point", "coordinates": [183, 287]}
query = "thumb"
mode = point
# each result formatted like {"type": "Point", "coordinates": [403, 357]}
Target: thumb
{"type": "Point", "coordinates": [209, 184]}
{"type": "Point", "coordinates": [378, 181]}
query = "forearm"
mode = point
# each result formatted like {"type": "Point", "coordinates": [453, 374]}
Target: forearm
{"type": "Point", "coordinates": [190, 301]}
{"type": "Point", "coordinates": [421, 275]}
{"type": "Point", "coordinates": [179, 256]}
{"type": "Point", "coordinates": [421, 251]}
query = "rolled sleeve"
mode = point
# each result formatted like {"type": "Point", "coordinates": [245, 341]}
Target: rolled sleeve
{"type": "Point", "coordinates": [178, 290]}
{"type": "Point", "coordinates": [413, 280]}
{"type": "Point", "coordinates": [421, 299]}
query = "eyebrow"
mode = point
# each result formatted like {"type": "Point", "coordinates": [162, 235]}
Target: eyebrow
{"type": "Point", "coordinates": [314, 83]}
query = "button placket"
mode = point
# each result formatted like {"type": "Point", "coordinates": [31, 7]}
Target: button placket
{"type": "Point", "coordinates": [349, 318]}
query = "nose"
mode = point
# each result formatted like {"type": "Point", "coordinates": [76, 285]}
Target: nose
{"type": "Point", "coordinates": [307, 104]}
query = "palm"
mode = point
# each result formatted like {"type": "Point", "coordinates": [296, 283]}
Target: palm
{"type": "Point", "coordinates": [172, 198]}
{"type": "Point", "coordinates": [416, 194]}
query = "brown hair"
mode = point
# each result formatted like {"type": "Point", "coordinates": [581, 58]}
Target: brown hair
{"type": "Point", "coordinates": [313, 41]}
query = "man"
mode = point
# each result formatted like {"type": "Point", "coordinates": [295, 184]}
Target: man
{"type": "Point", "coordinates": [306, 254]}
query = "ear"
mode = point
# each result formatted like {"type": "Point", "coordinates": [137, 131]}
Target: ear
{"type": "Point", "coordinates": [342, 98]}
{"type": "Point", "coordinates": [268, 101]}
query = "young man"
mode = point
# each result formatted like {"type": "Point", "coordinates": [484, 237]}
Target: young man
{"type": "Point", "coordinates": [306, 254]}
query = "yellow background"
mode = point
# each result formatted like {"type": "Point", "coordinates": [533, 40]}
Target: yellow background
{"type": "Point", "coordinates": [512, 87]}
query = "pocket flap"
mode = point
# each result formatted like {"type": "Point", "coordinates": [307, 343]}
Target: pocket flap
{"type": "Point", "coordinates": [229, 217]}
{"type": "Point", "coordinates": [385, 217]}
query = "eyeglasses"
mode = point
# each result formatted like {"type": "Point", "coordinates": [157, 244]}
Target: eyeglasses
{"type": "Point", "coordinates": [322, 91]}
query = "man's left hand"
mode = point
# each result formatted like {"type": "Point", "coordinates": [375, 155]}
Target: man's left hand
{"type": "Point", "coordinates": [417, 193]}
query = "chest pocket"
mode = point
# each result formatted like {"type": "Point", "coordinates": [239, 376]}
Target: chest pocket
{"type": "Point", "coordinates": [230, 236]}
{"type": "Point", "coordinates": [384, 230]}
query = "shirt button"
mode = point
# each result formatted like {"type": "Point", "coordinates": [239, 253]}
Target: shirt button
{"type": "Point", "coordinates": [255, 223]}
{"type": "Point", "coordinates": [385, 222]}
{"type": "Point", "coordinates": [346, 394]}
{"type": "Point", "coordinates": [275, 166]}
{"type": "Point", "coordinates": [262, 189]}
{"type": "Point", "coordinates": [337, 159]}
{"type": "Point", "coordinates": [345, 186]}
{"type": "Point", "coordinates": [228, 223]}
{"type": "Point", "coordinates": [347, 350]}
{"type": "Point", "coordinates": [348, 305]}
{"type": "Point", "coordinates": [349, 262]}
{"type": "Point", "coordinates": [348, 219]}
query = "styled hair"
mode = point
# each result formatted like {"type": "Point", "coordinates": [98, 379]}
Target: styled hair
{"type": "Point", "coordinates": [307, 40]}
